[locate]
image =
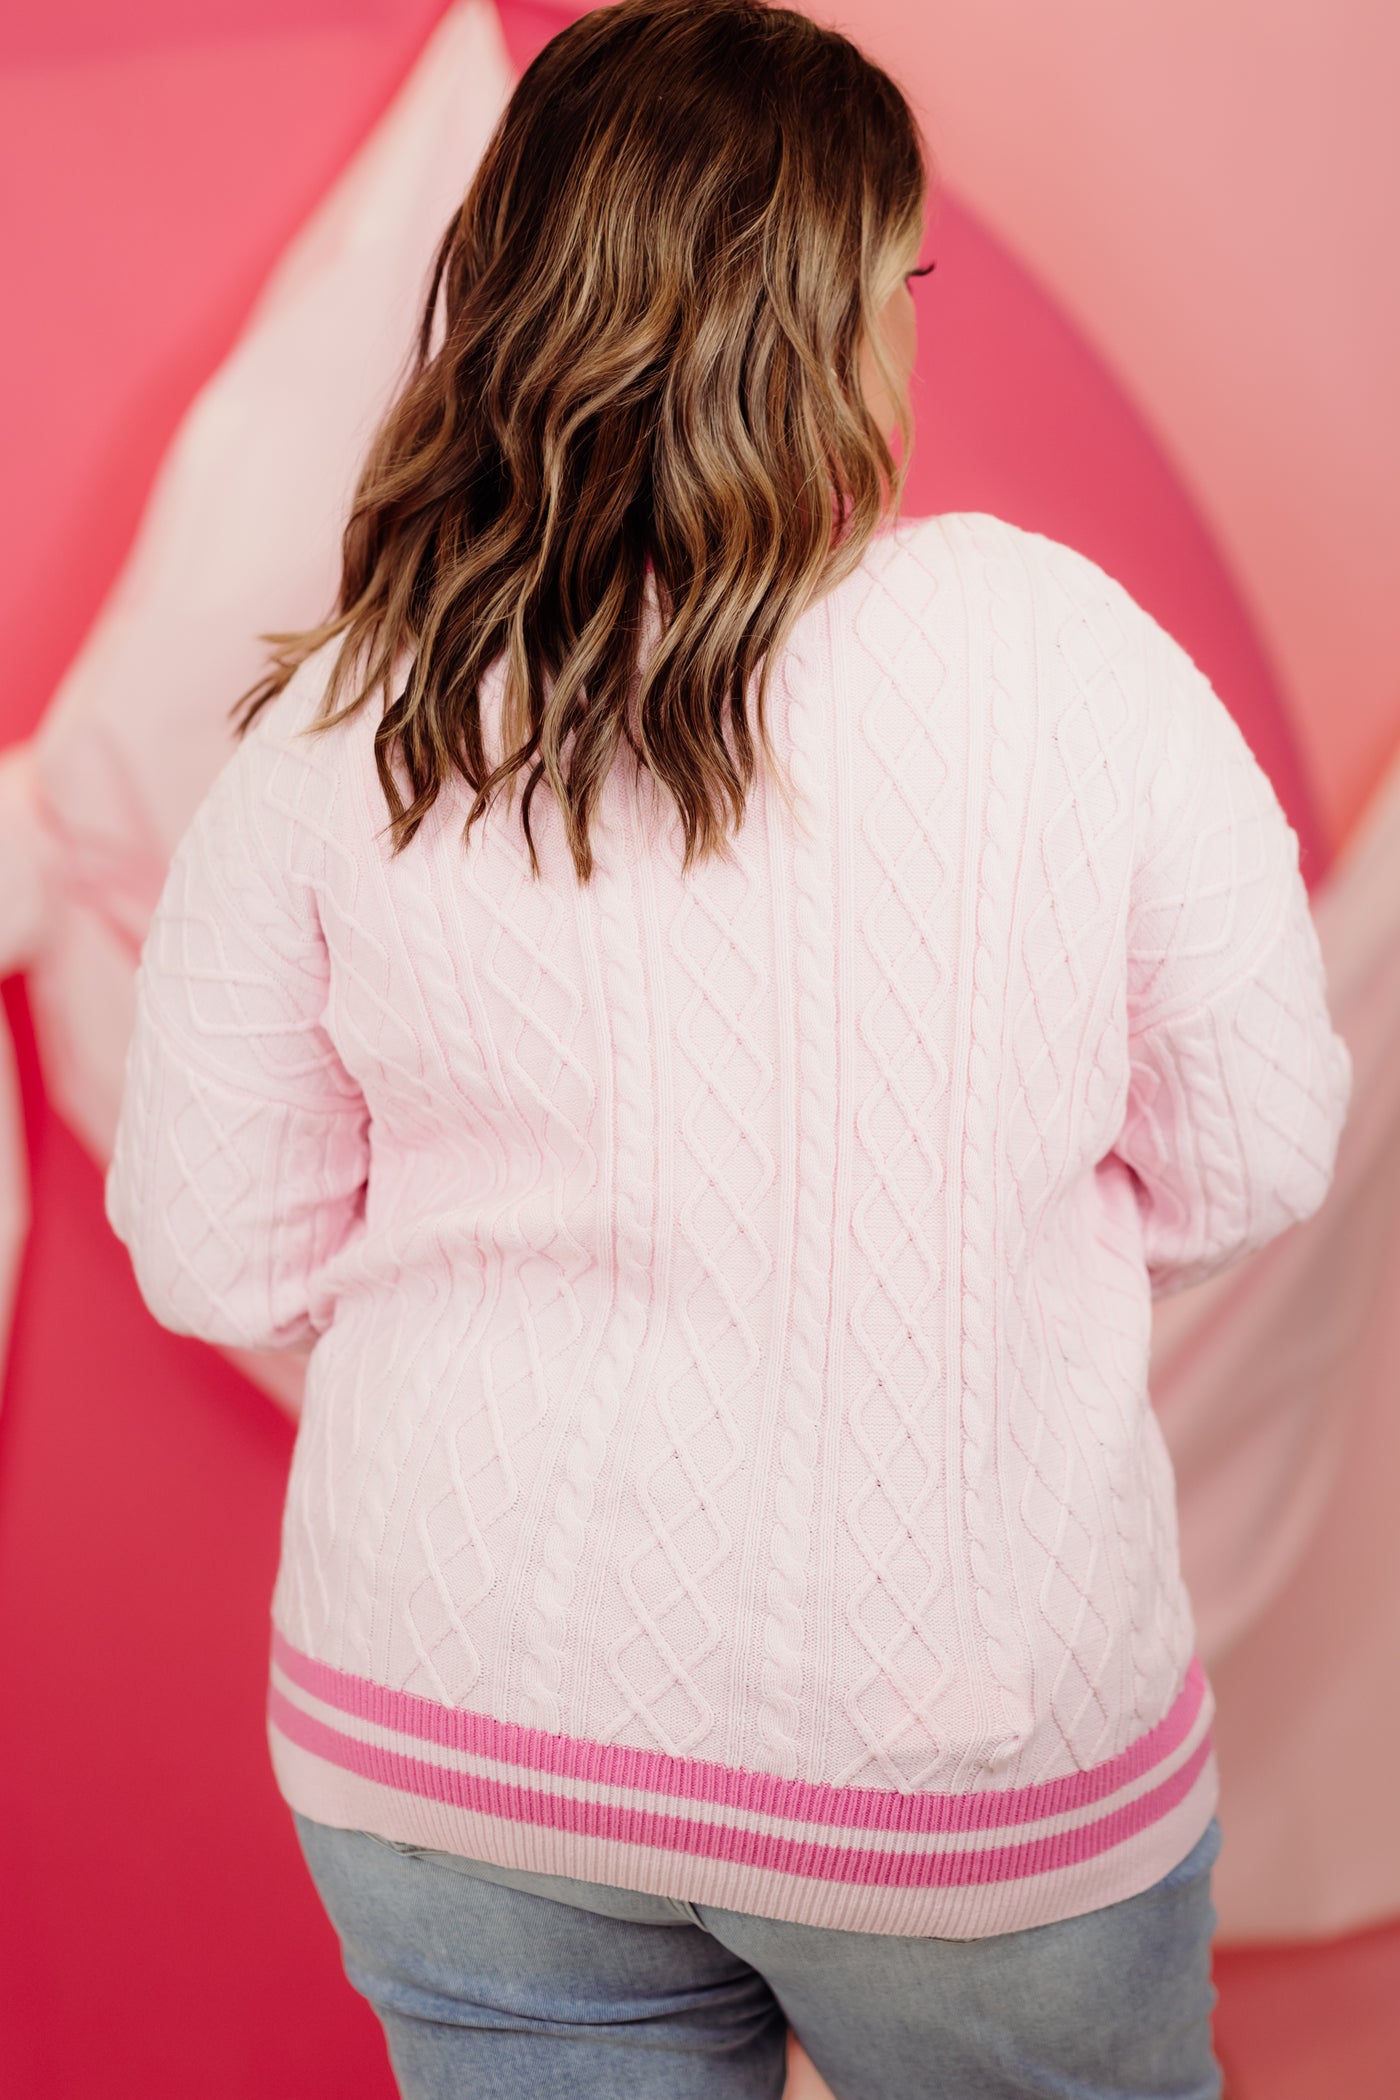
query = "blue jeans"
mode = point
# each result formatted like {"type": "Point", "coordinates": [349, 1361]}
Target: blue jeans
{"type": "Point", "coordinates": [503, 1985]}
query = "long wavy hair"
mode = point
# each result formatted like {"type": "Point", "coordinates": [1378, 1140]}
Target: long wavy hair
{"type": "Point", "coordinates": [636, 382]}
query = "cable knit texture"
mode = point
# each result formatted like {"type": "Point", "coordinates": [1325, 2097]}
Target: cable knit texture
{"type": "Point", "coordinates": [727, 1465]}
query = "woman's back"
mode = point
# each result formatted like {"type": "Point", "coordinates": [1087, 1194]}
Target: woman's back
{"type": "Point", "coordinates": [727, 1460]}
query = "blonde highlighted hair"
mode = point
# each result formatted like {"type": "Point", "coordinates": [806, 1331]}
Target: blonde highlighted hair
{"type": "Point", "coordinates": [638, 360]}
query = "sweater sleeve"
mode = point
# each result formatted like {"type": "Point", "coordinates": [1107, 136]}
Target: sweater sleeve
{"type": "Point", "coordinates": [1239, 1084]}
{"type": "Point", "coordinates": [241, 1152]}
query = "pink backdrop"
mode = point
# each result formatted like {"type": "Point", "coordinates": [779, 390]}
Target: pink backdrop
{"type": "Point", "coordinates": [1115, 369]}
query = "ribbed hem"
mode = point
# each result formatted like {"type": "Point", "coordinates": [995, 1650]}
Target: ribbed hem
{"type": "Point", "coordinates": [357, 1755]}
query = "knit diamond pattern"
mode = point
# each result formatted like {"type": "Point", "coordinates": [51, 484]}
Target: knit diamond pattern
{"type": "Point", "coordinates": [731, 1292]}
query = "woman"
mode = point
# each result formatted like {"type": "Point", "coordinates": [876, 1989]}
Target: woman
{"type": "Point", "coordinates": [729, 1570]}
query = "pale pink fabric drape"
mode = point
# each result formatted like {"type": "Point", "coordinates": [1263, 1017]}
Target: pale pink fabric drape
{"type": "Point", "coordinates": [240, 536]}
{"type": "Point", "coordinates": [1276, 1389]}
{"type": "Point", "coordinates": [24, 886]}
{"type": "Point", "coordinates": [1271, 1381]}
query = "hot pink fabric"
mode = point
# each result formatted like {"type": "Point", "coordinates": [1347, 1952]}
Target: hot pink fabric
{"type": "Point", "coordinates": [731, 1293]}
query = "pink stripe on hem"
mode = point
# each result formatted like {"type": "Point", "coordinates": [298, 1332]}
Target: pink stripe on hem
{"type": "Point", "coordinates": [731, 1843]}
{"type": "Point", "coordinates": [755, 1793]}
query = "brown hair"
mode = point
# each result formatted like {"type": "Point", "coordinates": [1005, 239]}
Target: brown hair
{"type": "Point", "coordinates": [654, 298]}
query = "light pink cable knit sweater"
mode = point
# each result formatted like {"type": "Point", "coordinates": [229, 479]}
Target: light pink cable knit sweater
{"type": "Point", "coordinates": [727, 1466]}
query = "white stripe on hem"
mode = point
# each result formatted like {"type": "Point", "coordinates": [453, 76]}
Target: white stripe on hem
{"type": "Point", "coordinates": [725, 1815]}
